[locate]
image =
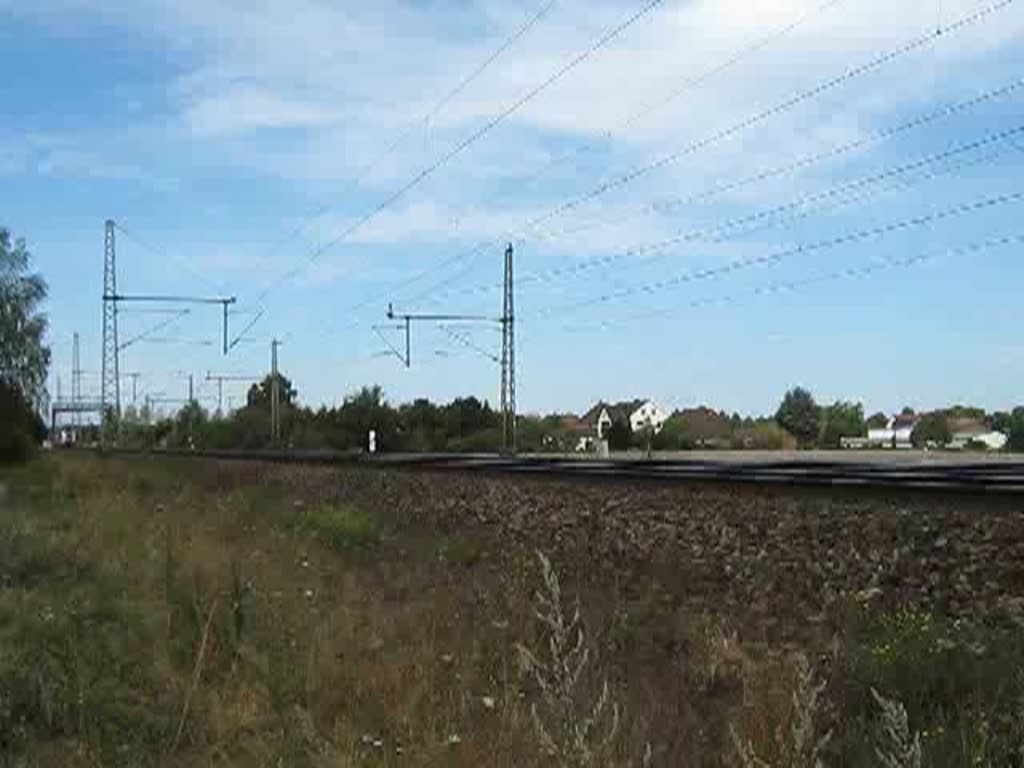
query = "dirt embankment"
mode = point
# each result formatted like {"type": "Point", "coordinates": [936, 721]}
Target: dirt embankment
{"type": "Point", "coordinates": [763, 556]}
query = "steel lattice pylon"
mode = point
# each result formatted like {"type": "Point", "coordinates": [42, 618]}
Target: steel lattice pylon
{"type": "Point", "coordinates": [508, 360]}
{"type": "Point", "coordinates": [110, 375]}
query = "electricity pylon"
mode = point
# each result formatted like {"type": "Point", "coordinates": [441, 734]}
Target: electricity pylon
{"type": "Point", "coordinates": [508, 347]}
{"type": "Point", "coordinates": [275, 394]}
{"type": "Point", "coordinates": [110, 388]}
{"type": "Point", "coordinates": [508, 360]}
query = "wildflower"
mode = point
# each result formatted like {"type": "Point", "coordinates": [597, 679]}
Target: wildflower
{"type": "Point", "coordinates": [488, 702]}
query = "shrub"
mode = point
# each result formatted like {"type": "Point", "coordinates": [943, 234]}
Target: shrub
{"type": "Point", "coordinates": [340, 527]}
{"type": "Point", "coordinates": [956, 680]}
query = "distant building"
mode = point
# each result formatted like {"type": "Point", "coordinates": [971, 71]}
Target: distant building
{"type": "Point", "coordinates": [895, 434]}
{"type": "Point", "coordinates": [707, 427]}
{"type": "Point", "coordinates": [971, 432]}
{"type": "Point", "coordinates": [639, 414]}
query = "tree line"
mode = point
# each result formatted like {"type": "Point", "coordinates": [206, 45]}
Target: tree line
{"type": "Point", "coordinates": [465, 424]}
{"type": "Point", "coordinates": [826, 426]}
{"type": "Point", "coordinates": [468, 424]}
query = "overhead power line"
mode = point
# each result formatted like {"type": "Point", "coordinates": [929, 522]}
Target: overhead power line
{"type": "Point", "coordinates": [876, 63]}
{"type": "Point", "coordinates": [683, 87]}
{"type": "Point", "coordinates": [774, 258]}
{"type": "Point", "coordinates": [529, 24]}
{"type": "Point", "coordinates": [756, 119]}
{"type": "Point", "coordinates": [145, 335]}
{"type": "Point", "coordinates": [687, 85]}
{"type": "Point", "coordinates": [532, 21]}
{"type": "Point", "coordinates": [730, 225]}
{"type": "Point", "coordinates": [468, 343]}
{"type": "Point", "coordinates": [167, 256]}
{"type": "Point", "coordinates": [468, 142]}
{"type": "Point", "coordinates": [667, 205]}
{"type": "Point", "coordinates": [785, 286]}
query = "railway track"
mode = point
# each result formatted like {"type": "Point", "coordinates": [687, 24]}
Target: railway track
{"type": "Point", "coordinates": [1002, 477]}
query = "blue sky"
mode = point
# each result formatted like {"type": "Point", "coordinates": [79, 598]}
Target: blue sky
{"type": "Point", "coordinates": [236, 139]}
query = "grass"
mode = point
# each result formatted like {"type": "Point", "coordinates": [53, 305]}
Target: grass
{"type": "Point", "coordinates": [168, 613]}
{"type": "Point", "coordinates": [342, 527]}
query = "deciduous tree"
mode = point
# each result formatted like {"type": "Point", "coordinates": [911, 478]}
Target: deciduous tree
{"type": "Point", "coordinates": [800, 416]}
{"type": "Point", "coordinates": [932, 429]}
{"type": "Point", "coordinates": [839, 420]}
{"type": "Point", "coordinates": [24, 357]}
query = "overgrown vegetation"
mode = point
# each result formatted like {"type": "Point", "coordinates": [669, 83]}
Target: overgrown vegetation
{"type": "Point", "coordinates": [178, 613]}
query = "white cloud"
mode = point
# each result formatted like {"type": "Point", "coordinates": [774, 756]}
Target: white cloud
{"type": "Point", "coordinates": [244, 107]}
{"type": "Point", "coordinates": [310, 92]}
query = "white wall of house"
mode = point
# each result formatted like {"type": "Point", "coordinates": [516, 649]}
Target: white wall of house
{"type": "Point", "coordinates": [649, 413]}
{"type": "Point", "coordinates": [883, 436]}
{"type": "Point", "coordinates": [994, 441]}
{"type": "Point", "coordinates": [892, 436]}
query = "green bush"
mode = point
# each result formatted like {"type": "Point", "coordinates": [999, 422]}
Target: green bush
{"type": "Point", "coordinates": [340, 527]}
{"type": "Point", "coordinates": [961, 683]}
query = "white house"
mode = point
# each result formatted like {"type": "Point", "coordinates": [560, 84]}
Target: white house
{"type": "Point", "coordinates": [650, 414]}
{"type": "Point", "coordinates": [639, 413]}
{"type": "Point", "coordinates": [896, 434]}
{"type": "Point", "coordinates": [977, 433]}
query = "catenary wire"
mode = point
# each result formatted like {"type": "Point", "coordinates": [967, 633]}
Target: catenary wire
{"type": "Point", "coordinates": [532, 21]}
{"type": "Point", "coordinates": [465, 144]}
{"type": "Point", "coordinates": [735, 265]}
{"type": "Point", "coordinates": [740, 223]}
{"type": "Point", "coordinates": [878, 265]}
{"type": "Point", "coordinates": [686, 85]}
{"type": "Point", "coordinates": [737, 128]}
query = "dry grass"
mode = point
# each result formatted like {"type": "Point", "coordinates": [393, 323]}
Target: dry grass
{"type": "Point", "coordinates": [179, 614]}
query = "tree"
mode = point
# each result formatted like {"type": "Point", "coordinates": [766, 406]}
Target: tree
{"type": "Point", "coordinates": [970, 412]}
{"type": "Point", "coordinates": [260, 394]}
{"type": "Point", "coordinates": [839, 420]}
{"type": "Point", "coordinates": [1015, 430]}
{"type": "Point", "coordinates": [932, 429]}
{"type": "Point", "coordinates": [878, 421]}
{"type": "Point", "coordinates": [705, 427]}
{"type": "Point", "coordinates": [674, 436]}
{"type": "Point", "coordinates": [21, 428]}
{"type": "Point", "coordinates": [24, 358]}
{"type": "Point", "coordinates": [364, 411]}
{"type": "Point", "coordinates": [190, 423]}
{"type": "Point", "coordinates": [1001, 421]}
{"type": "Point", "coordinates": [800, 416]}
